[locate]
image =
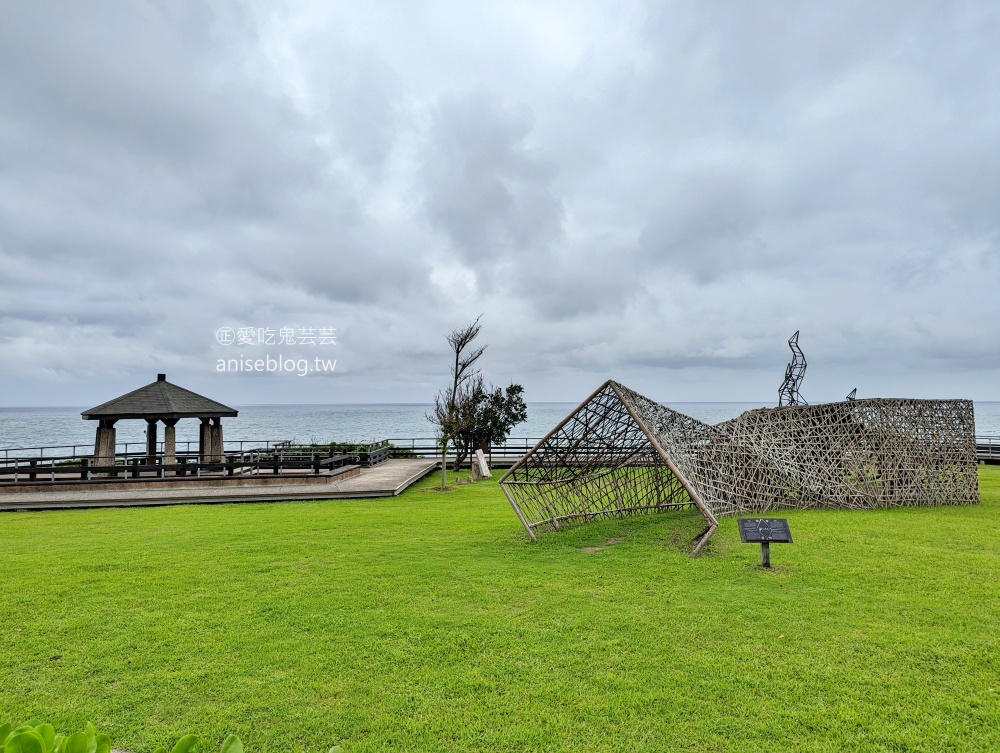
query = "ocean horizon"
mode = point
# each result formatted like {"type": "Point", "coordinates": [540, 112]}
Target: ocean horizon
{"type": "Point", "coordinates": [342, 422]}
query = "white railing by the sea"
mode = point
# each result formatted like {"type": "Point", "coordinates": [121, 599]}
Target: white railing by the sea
{"type": "Point", "coordinates": [988, 449]}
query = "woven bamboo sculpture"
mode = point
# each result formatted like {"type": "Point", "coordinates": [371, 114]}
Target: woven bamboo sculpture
{"type": "Point", "coordinates": [620, 453]}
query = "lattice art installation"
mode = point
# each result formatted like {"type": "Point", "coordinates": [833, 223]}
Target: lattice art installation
{"type": "Point", "coordinates": [788, 393]}
{"type": "Point", "coordinates": [620, 453]}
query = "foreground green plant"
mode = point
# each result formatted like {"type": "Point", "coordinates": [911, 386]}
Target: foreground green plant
{"type": "Point", "coordinates": [232, 744]}
{"type": "Point", "coordinates": [33, 737]}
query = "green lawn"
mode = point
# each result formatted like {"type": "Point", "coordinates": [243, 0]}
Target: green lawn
{"type": "Point", "coordinates": [429, 622]}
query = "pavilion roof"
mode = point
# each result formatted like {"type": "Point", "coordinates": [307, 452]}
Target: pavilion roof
{"type": "Point", "coordinates": [160, 400]}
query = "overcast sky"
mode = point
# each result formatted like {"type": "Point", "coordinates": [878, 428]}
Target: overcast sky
{"type": "Point", "coordinates": [659, 193]}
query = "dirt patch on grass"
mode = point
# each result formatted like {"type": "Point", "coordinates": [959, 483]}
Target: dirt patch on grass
{"type": "Point", "coordinates": [609, 542]}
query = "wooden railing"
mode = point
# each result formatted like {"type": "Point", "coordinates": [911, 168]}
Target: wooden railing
{"type": "Point", "coordinates": [429, 447]}
{"type": "Point", "coordinates": [56, 469]}
{"type": "Point", "coordinates": [241, 457]}
{"type": "Point", "coordinates": [988, 449]}
{"type": "Point", "coordinates": [185, 447]}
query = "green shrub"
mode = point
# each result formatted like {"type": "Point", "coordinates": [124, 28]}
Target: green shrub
{"type": "Point", "coordinates": [33, 737]}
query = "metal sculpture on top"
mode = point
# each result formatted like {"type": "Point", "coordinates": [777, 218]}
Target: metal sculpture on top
{"type": "Point", "coordinates": [788, 394]}
{"type": "Point", "coordinates": [853, 394]}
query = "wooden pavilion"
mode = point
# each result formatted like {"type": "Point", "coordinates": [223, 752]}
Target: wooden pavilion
{"type": "Point", "coordinates": [166, 402]}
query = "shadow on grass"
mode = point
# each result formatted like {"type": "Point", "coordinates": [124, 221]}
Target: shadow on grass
{"type": "Point", "coordinates": [675, 531]}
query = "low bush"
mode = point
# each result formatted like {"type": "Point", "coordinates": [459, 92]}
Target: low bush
{"type": "Point", "coordinates": [34, 737]}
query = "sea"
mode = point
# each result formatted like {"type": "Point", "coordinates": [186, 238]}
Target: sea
{"type": "Point", "coordinates": [45, 427]}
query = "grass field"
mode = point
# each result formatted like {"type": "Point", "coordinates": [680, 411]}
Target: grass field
{"type": "Point", "coordinates": [428, 622]}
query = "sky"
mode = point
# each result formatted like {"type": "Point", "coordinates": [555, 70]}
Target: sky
{"type": "Point", "coordinates": [655, 192]}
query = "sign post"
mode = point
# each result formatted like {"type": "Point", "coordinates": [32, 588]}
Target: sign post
{"type": "Point", "coordinates": [764, 531]}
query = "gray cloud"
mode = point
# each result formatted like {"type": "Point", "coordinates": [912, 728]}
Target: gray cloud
{"type": "Point", "coordinates": [486, 190]}
{"type": "Point", "coordinates": [661, 193]}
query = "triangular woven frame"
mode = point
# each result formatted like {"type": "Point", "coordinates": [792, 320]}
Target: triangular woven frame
{"type": "Point", "coordinates": [620, 453]}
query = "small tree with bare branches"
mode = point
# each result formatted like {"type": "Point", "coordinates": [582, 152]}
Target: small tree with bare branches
{"type": "Point", "coordinates": [453, 407]}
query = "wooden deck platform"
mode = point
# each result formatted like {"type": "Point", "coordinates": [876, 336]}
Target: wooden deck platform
{"type": "Point", "coordinates": [384, 480]}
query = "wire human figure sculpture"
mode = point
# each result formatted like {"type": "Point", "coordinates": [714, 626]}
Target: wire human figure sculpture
{"type": "Point", "coordinates": [788, 393]}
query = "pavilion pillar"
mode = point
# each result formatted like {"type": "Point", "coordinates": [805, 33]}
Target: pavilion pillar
{"type": "Point", "coordinates": [217, 450]}
{"type": "Point", "coordinates": [151, 440]}
{"type": "Point", "coordinates": [170, 442]}
{"type": "Point", "coordinates": [104, 443]}
{"type": "Point", "coordinates": [205, 441]}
